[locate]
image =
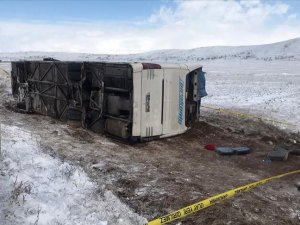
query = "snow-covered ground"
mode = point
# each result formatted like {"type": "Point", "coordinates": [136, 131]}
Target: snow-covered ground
{"type": "Point", "coordinates": [267, 89]}
{"type": "Point", "coordinates": [39, 189]}
{"type": "Point", "coordinates": [5, 66]}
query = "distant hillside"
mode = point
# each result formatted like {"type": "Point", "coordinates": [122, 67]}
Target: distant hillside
{"type": "Point", "coordinates": [286, 50]}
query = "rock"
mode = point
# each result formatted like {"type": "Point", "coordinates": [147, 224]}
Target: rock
{"type": "Point", "coordinates": [293, 141]}
{"type": "Point", "coordinates": [257, 210]}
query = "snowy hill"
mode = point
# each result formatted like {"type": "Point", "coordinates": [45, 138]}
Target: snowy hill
{"type": "Point", "coordinates": [289, 50]}
{"type": "Point", "coordinates": [286, 50]}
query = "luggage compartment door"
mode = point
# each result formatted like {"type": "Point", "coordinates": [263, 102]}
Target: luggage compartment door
{"type": "Point", "coordinates": [152, 102]}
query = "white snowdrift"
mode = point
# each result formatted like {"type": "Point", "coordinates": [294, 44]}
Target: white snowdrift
{"type": "Point", "coordinates": [39, 189]}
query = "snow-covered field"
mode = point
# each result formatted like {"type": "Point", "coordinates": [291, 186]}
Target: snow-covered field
{"type": "Point", "coordinates": [267, 89]}
{"type": "Point", "coordinates": [39, 189]}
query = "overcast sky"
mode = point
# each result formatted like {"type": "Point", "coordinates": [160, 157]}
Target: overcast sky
{"type": "Point", "coordinates": [116, 27]}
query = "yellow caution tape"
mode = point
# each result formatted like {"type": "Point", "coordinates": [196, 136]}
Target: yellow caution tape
{"type": "Point", "coordinates": [245, 115]}
{"type": "Point", "coordinates": [181, 213]}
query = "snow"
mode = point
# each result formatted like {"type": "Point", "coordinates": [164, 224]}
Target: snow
{"type": "Point", "coordinates": [39, 189]}
{"type": "Point", "coordinates": [267, 89]}
{"type": "Point", "coordinates": [286, 50]}
{"type": "Point", "coordinates": [5, 67]}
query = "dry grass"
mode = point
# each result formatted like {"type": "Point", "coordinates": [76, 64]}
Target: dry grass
{"type": "Point", "coordinates": [19, 192]}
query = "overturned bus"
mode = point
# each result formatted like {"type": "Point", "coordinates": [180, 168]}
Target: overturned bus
{"type": "Point", "coordinates": [132, 101]}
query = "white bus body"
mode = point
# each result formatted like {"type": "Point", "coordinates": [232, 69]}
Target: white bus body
{"type": "Point", "coordinates": [132, 101]}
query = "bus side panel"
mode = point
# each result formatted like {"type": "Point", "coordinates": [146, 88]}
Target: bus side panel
{"type": "Point", "coordinates": [151, 122]}
{"type": "Point", "coordinates": [137, 91]}
{"type": "Point", "coordinates": [174, 101]}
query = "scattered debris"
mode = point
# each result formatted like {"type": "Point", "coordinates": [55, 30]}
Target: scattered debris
{"type": "Point", "coordinates": [281, 152]}
{"type": "Point", "coordinates": [210, 147]}
{"type": "Point", "coordinates": [225, 150]}
{"type": "Point", "coordinates": [242, 150]}
{"type": "Point", "coordinates": [232, 151]}
{"type": "Point", "coordinates": [268, 161]}
{"type": "Point", "coordinates": [295, 151]}
{"type": "Point", "coordinates": [278, 154]}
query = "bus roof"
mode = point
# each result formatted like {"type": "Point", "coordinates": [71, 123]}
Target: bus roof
{"type": "Point", "coordinates": [138, 66]}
